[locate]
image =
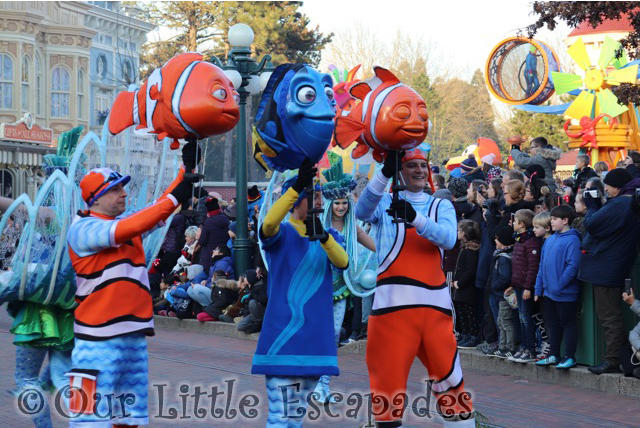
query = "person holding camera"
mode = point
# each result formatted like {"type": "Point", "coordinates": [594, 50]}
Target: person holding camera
{"type": "Point", "coordinates": [609, 249]}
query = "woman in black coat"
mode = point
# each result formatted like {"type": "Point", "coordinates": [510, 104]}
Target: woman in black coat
{"type": "Point", "coordinates": [223, 294]}
{"type": "Point", "coordinates": [463, 290]}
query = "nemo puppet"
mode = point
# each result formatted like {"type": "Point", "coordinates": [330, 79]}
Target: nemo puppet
{"type": "Point", "coordinates": [411, 295]}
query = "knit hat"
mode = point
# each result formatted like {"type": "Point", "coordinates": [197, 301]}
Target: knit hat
{"type": "Point", "coordinates": [504, 234]}
{"type": "Point", "coordinates": [98, 181]}
{"type": "Point", "coordinates": [469, 164]}
{"type": "Point", "coordinates": [535, 168]}
{"type": "Point", "coordinates": [617, 178]}
{"type": "Point", "coordinates": [212, 204]}
{"type": "Point", "coordinates": [435, 169]}
{"type": "Point", "coordinates": [252, 276]}
{"type": "Point", "coordinates": [458, 187]}
{"type": "Point", "coordinates": [488, 159]}
{"type": "Point", "coordinates": [233, 226]}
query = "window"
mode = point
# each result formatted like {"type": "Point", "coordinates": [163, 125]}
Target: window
{"type": "Point", "coordinates": [60, 92]}
{"type": "Point", "coordinates": [127, 71]}
{"type": "Point", "coordinates": [80, 94]}
{"type": "Point", "coordinates": [6, 184]}
{"type": "Point", "coordinates": [25, 84]}
{"type": "Point", "coordinates": [6, 81]}
{"type": "Point", "coordinates": [103, 103]}
{"type": "Point", "coordinates": [39, 109]}
{"type": "Point", "coordinates": [101, 66]}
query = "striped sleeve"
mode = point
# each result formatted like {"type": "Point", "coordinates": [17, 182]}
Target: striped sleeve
{"type": "Point", "coordinates": [90, 235]}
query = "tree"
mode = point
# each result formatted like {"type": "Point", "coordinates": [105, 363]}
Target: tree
{"type": "Point", "coordinates": [280, 29]}
{"type": "Point", "coordinates": [594, 13]}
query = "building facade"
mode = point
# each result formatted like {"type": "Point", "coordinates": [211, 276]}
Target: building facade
{"type": "Point", "coordinates": [62, 63]}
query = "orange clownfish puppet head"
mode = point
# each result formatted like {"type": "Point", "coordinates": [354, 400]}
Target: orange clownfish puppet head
{"type": "Point", "coordinates": [186, 98]}
{"type": "Point", "coordinates": [390, 116]}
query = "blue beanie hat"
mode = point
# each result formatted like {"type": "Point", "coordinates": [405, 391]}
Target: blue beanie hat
{"type": "Point", "coordinates": [469, 164]}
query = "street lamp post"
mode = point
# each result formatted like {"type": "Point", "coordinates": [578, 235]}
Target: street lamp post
{"type": "Point", "coordinates": [245, 73]}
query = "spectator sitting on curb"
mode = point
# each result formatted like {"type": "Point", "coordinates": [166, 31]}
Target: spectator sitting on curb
{"type": "Point", "coordinates": [634, 335]}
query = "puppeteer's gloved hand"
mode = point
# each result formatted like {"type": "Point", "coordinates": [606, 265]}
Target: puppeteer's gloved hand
{"type": "Point", "coordinates": [191, 155]}
{"type": "Point", "coordinates": [403, 209]}
{"type": "Point", "coordinates": [392, 161]}
{"type": "Point", "coordinates": [306, 172]}
{"type": "Point", "coordinates": [310, 222]}
{"type": "Point", "coordinates": [183, 191]}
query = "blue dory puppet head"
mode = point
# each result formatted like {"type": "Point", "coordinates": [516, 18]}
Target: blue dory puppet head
{"type": "Point", "coordinates": [295, 117]}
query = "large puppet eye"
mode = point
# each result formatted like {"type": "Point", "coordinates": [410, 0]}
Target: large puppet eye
{"type": "Point", "coordinates": [422, 112]}
{"type": "Point", "coordinates": [329, 93]}
{"type": "Point", "coordinates": [220, 94]}
{"type": "Point", "coordinates": [306, 95]}
{"type": "Point", "coordinates": [403, 112]}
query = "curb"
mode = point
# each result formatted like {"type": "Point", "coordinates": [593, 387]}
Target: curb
{"type": "Point", "coordinates": [578, 377]}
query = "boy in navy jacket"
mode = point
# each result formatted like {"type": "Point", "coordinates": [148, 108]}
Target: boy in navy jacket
{"type": "Point", "coordinates": [557, 281]}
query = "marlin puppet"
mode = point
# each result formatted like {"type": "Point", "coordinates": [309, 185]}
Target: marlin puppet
{"type": "Point", "coordinates": [390, 116]}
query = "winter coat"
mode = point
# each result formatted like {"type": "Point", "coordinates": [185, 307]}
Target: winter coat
{"type": "Point", "coordinates": [581, 177]}
{"type": "Point", "coordinates": [477, 174]}
{"type": "Point", "coordinates": [512, 209]}
{"type": "Point", "coordinates": [633, 170]}
{"type": "Point", "coordinates": [559, 263]}
{"type": "Point", "coordinates": [611, 243]}
{"type": "Point", "coordinates": [463, 208]}
{"type": "Point", "coordinates": [215, 232]}
{"type": "Point", "coordinates": [578, 224]}
{"type": "Point", "coordinates": [221, 297]}
{"type": "Point", "coordinates": [224, 264]}
{"type": "Point", "coordinates": [259, 292]}
{"type": "Point", "coordinates": [485, 257]}
{"type": "Point", "coordinates": [546, 157]}
{"type": "Point", "coordinates": [465, 274]}
{"type": "Point", "coordinates": [174, 239]}
{"type": "Point", "coordinates": [501, 272]}
{"type": "Point", "coordinates": [634, 335]}
{"type": "Point", "coordinates": [525, 260]}
{"type": "Point", "coordinates": [475, 214]}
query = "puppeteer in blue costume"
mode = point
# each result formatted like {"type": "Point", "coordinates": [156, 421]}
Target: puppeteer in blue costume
{"type": "Point", "coordinates": [339, 215]}
{"type": "Point", "coordinates": [296, 345]}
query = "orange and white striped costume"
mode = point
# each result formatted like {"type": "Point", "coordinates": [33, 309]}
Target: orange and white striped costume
{"type": "Point", "coordinates": [412, 309]}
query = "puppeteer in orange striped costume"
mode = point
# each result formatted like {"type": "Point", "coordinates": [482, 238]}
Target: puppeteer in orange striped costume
{"type": "Point", "coordinates": [115, 312]}
{"type": "Point", "coordinates": [412, 309]}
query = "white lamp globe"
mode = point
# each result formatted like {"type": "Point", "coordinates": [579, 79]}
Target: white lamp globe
{"type": "Point", "coordinates": [235, 78]}
{"type": "Point", "coordinates": [264, 79]}
{"type": "Point", "coordinates": [240, 35]}
{"type": "Point", "coordinates": [254, 85]}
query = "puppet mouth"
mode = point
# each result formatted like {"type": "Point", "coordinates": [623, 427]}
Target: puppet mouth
{"type": "Point", "coordinates": [230, 116]}
{"type": "Point", "coordinates": [413, 132]}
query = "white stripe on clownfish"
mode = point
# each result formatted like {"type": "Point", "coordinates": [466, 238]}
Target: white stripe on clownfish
{"type": "Point", "coordinates": [177, 95]}
{"type": "Point", "coordinates": [154, 80]}
{"type": "Point", "coordinates": [136, 117]}
{"type": "Point", "coordinates": [375, 109]}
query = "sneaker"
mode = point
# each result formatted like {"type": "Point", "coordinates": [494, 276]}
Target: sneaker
{"type": "Point", "coordinates": [491, 349]}
{"type": "Point", "coordinates": [162, 313]}
{"type": "Point", "coordinates": [550, 360]}
{"type": "Point", "coordinates": [172, 314]}
{"type": "Point", "coordinates": [348, 340]}
{"type": "Point", "coordinates": [503, 353]}
{"type": "Point", "coordinates": [470, 343]}
{"type": "Point", "coordinates": [525, 357]}
{"type": "Point", "coordinates": [484, 345]}
{"type": "Point", "coordinates": [566, 363]}
{"type": "Point", "coordinates": [517, 355]}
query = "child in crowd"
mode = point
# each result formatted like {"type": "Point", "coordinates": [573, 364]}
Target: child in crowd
{"type": "Point", "coordinates": [581, 211]}
{"type": "Point", "coordinates": [542, 225]}
{"type": "Point", "coordinates": [542, 230]}
{"type": "Point", "coordinates": [525, 260]}
{"type": "Point", "coordinates": [463, 285]}
{"type": "Point", "coordinates": [557, 281]}
{"type": "Point", "coordinates": [223, 294]}
{"type": "Point", "coordinates": [582, 173]}
{"type": "Point", "coordinates": [500, 283]}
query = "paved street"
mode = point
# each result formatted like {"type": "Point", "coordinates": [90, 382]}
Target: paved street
{"type": "Point", "coordinates": [195, 359]}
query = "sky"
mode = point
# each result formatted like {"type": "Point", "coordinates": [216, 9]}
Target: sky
{"type": "Point", "coordinates": [463, 32]}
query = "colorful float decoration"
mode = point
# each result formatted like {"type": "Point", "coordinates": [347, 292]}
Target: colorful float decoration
{"type": "Point", "coordinates": [519, 70]}
{"type": "Point", "coordinates": [605, 128]}
{"type": "Point", "coordinates": [483, 147]}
